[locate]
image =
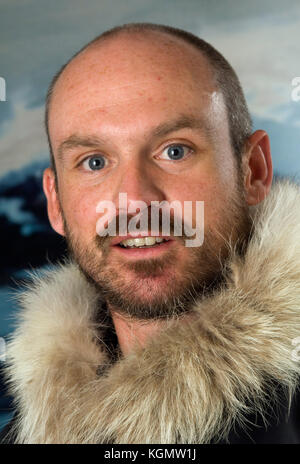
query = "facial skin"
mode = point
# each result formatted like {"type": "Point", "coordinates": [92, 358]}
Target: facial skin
{"type": "Point", "coordinates": [116, 96]}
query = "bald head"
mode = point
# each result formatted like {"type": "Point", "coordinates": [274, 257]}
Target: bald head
{"type": "Point", "coordinates": [126, 49]}
{"type": "Point", "coordinates": [128, 70]}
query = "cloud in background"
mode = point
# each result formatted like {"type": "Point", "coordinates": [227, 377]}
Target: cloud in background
{"type": "Point", "coordinates": [264, 51]}
{"type": "Point", "coordinates": [260, 39]}
{"type": "Point", "coordinates": [23, 138]}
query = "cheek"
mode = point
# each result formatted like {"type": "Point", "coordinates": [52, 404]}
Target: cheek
{"type": "Point", "coordinates": [209, 190]}
{"type": "Point", "coordinates": [80, 212]}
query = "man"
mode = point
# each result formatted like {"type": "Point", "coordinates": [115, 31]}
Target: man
{"type": "Point", "coordinates": [136, 341]}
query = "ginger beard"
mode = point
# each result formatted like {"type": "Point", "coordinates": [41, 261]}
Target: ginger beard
{"type": "Point", "coordinates": [166, 286]}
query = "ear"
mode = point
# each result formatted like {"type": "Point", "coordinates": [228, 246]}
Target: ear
{"type": "Point", "coordinates": [257, 166]}
{"type": "Point", "coordinates": [53, 205]}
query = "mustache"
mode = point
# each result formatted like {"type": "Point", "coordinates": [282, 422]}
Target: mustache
{"type": "Point", "coordinates": [117, 224]}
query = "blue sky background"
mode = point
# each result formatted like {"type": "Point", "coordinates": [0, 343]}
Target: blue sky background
{"type": "Point", "coordinates": [260, 38]}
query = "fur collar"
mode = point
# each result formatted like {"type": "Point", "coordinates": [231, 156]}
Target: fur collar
{"type": "Point", "coordinates": [189, 385]}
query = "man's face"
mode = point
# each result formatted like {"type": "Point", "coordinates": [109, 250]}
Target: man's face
{"type": "Point", "coordinates": [120, 112]}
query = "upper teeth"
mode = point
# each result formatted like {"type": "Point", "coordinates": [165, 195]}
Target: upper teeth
{"type": "Point", "coordinates": [142, 241]}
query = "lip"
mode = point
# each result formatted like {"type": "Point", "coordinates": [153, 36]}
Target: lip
{"type": "Point", "coordinates": [115, 241]}
{"type": "Point", "coordinates": [144, 253]}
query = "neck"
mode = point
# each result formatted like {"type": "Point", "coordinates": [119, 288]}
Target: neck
{"type": "Point", "coordinates": [133, 332]}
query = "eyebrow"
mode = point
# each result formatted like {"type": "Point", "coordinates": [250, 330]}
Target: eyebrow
{"type": "Point", "coordinates": [92, 141]}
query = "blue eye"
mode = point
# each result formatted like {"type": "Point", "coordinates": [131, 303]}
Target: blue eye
{"type": "Point", "coordinates": [176, 152]}
{"type": "Point", "coordinates": [94, 163]}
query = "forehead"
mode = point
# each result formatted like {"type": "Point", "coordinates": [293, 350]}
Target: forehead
{"type": "Point", "coordinates": [132, 79]}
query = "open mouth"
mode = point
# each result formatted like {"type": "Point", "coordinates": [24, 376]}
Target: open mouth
{"type": "Point", "coordinates": [144, 242]}
{"type": "Point", "coordinates": [139, 247]}
{"type": "Point", "coordinates": [143, 247]}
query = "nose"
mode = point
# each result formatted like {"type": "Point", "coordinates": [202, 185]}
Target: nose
{"type": "Point", "coordinates": [141, 184]}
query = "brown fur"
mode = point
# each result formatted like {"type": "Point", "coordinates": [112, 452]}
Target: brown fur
{"type": "Point", "coordinates": [188, 385]}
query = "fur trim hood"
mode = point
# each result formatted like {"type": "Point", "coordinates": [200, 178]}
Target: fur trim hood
{"type": "Point", "coordinates": [189, 385]}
